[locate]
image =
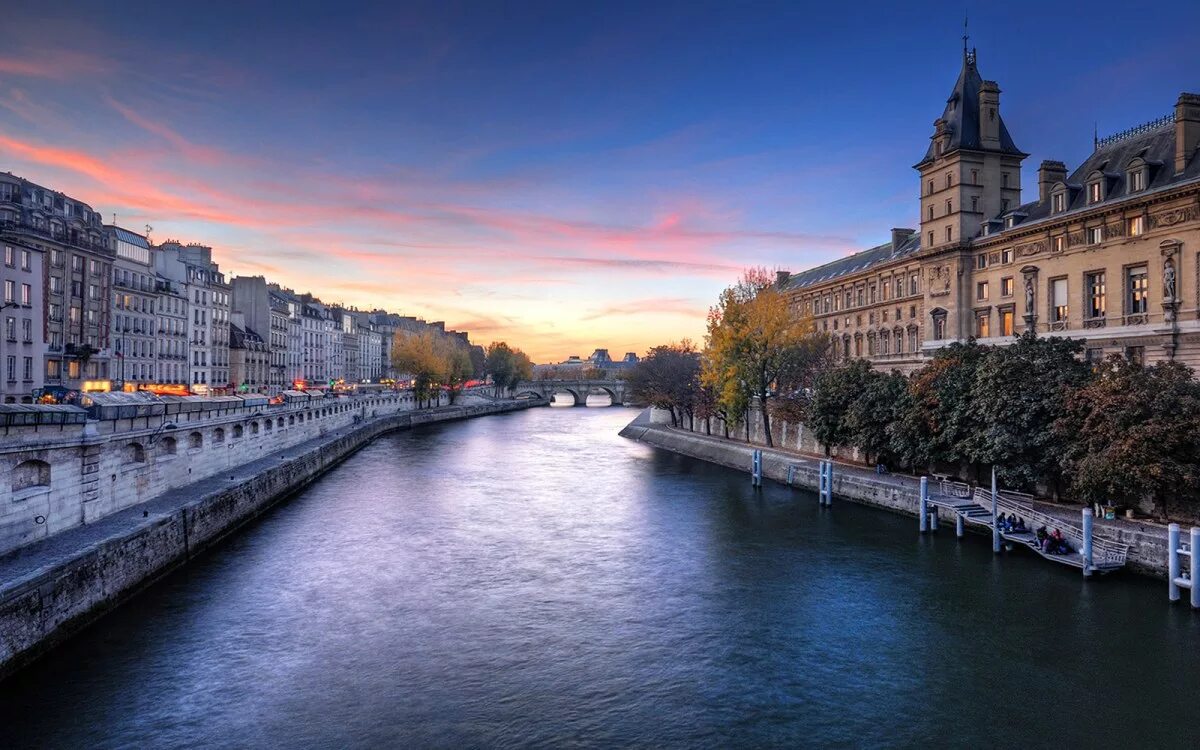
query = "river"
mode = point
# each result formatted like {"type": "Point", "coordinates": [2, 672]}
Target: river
{"type": "Point", "coordinates": [533, 580]}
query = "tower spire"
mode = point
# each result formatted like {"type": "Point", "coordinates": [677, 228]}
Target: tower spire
{"type": "Point", "coordinates": [966, 34]}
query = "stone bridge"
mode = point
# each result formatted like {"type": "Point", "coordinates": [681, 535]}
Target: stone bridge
{"type": "Point", "coordinates": [617, 390]}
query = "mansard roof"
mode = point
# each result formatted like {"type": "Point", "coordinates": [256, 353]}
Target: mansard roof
{"type": "Point", "coordinates": [962, 115]}
{"type": "Point", "coordinates": [1113, 158]}
{"type": "Point", "coordinates": [859, 261]}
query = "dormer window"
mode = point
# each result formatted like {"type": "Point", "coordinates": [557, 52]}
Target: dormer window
{"type": "Point", "coordinates": [1058, 202]}
{"type": "Point", "coordinates": [1137, 179]}
{"type": "Point", "coordinates": [1010, 222]}
{"type": "Point", "coordinates": [1095, 188]}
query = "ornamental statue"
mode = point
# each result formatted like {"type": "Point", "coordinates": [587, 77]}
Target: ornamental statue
{"type": "Point", "coordinates": [1168, 280]}
{"type": "Point", "coordinates": [1028, 294]}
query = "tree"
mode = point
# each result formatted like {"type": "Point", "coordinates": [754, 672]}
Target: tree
{"type": "Point", "coordinates": [867, 417]}
{"type": "Point", "coordinates": [934, 417]}
{"type": "Point", "coordinates": [667, 378]}
{"type": "Point", "coordinates": [417, 355]}
{"type": "Point", "coordinates": [456, 366]}
{"type": "Point", "coordinates": [754, 342]}
{"type": "Point", "coordinates": [1019, 392]}
{"type": "Point", "coordinates": [1130, 434]}
{"type": "Point", "coordinates": [834, 393]}
{"type": "Point", "coordinates": [507, 366]}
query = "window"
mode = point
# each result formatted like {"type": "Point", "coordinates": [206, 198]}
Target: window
{"type": "Point", "coordinates": [1006, 322]}
{"type": "Point", "coordinates": [1137, 180]}
{"type": "Point", "coordinates": [26, 295]}
{"type": "Point", "coordinates": [1058, 202]}
{"type": "Point", "coordinates": [1060, 308]}
{"type": "Point", "coordinates": [1060, 243]}
{"type": "Point", "coordinates": [975, 203]}
{"type": "Point", "coordinates": [1095, 295]}
{"type": "Point", "coordinates": [981, 325]}
{"type": "Point", "coordinates": [1004, 179]}
{"type": "Point", "coordinates": [931, 212]}
{"type": "Point", "coordinates": [10, 290]}
{"type": "Point", "coordinates": [981, 261]}
{"type": "Point", "coordinates": [912, 284]}
{"type": "Point", "coordinates": [11, 368]}
{"type": "Point", "coordinates": [10, 328]}
{"type": "Point", "coordinates": [931, 187]}
{"type": "Point", "coordinates": [1095, 235]}
{"type": "Point", "coordinates": [949, 207]}
{"type": "Point", "coordinates": [931, 239]}
{"type": "Point", "coordinates": [949, 234]}
{"type": "Point", "coordinates": [939, 327]}
{"type": "Point", "coordinates": [27, 330]}
{"type": "Point", "coordinates": [1006, 286]}
{"type": "Point", "coordinates": [1136, 226]}
{"type": "Point", "coordinates": [974, 176]}
{"type": "Point", "coordinates": [1137, 284]}
{"type": "Point", "coordinates": [1010, 222]}
{"type": "Point", "coordinates": [1095, 192]}
{"type": "Point", "coordinates": [981, 291]}
{"type": "Point", "coordinates": [949, 179]}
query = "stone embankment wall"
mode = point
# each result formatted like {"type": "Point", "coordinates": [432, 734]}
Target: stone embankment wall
{"type": "Point", "coordinates": [51, 589]}
{"type": "Point", "coordinates": [54, 477]}
{"type": "Point", "coordinates": [1147, 541]}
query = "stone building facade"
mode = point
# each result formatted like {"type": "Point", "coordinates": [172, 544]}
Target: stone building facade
{"type": "Point", "coordinates": [1108, 253]}
{"type": "Point", "coordinates": [22, 345]}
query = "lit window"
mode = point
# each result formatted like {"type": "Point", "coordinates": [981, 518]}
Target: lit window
{"type": "Point", "coordinates": [981, 261]}
{"type": "Point", "coordinates": [981, 291]}
{"type": "Point", "coordinates": [1096, 294]}
{"type": "Point", "coordinates": [1095, 192]}
{"type": "Point", "coordinates": [1137, 180]}
{"type": "Point", "coordinates": [1006, 255]}
{"type": "Point", "coordinates": [1059, 304]}
{"type": "Point", "coordinates": [1136, 226]}
{"type": "Point", "coordinates": [1006, 322]}
{"type": "Point", "coordinates": [981, 325]}
{"type": "Point", "coordinates": [1058, 202]}
{"type": "Point", "coordinates": [1060, 243]}
{"type": "Point", "coordinates": [1006, 287]}
{"type": "Point", "coordinates": [1095, 235]}
{"type": "Point", "coordinates": [1137, 284]}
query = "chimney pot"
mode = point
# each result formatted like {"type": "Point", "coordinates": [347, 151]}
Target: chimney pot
{"type": "Point", "coordinates": [1187, 129]}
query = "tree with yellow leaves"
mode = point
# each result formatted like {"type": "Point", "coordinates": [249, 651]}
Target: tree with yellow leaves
{"type": "Point", "coordinates": [756, 346]}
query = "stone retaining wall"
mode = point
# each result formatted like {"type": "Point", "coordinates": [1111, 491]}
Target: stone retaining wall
{"type": "Point", "coordinates": [1147, 541]}
{"type": "Point", "coordinates": [52, 589]}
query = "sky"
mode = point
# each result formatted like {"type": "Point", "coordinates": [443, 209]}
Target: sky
{"type": "Point", "coordinates": [561, 175]}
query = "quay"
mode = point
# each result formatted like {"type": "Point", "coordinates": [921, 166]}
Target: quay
{"type": "Point", "coordinates": [54, 587]}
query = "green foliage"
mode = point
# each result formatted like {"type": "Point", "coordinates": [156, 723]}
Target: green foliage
{"type": "Point", "coordinates": [868, 416]}
{"type": "Point", "coordinates": [834, 392]}
{"type": "Point", "coordinates": [1018, 393]}
{"type": "Point", "coordinates": [1132, 433]}
{"type": "Point", "coordinates": [506, 365]}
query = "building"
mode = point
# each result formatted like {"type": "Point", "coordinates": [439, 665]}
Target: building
{"type": "Point", "coordinates": [249, 357]}
{"type": "Point", "coordinates": [1108, 253]}
{"type": "Point", "coordinates": [134, 312]}
{"type": "Point", "coordinates": [208, 300]}
{"type": "Point", "coordinates": [78, 268]}
{"type": "Point", "coordinates": [172, 325]}
{"type": "Point", "coordinates": [23, 346]}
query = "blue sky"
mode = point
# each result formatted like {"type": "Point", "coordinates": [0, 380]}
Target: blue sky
{"type": "Point", "coordinates": [560, 175]}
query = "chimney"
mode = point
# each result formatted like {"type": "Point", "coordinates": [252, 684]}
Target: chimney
{"type": "Point", "coordinates": [781, 278]}
{"type": "Point", "coordinates": [989, 115]}
{"type": "Point", "coordinates": [900, 236]}
{"type": "Point", "coordinates": [1050, 173]}
{"type": "Point", "coordinates": [1187, 129]}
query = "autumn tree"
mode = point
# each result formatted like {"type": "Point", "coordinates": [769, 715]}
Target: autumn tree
{"type": "Point", "coordinates": [417, 355]}
{"type": "Point", "coordinates": [754, 342]}
{"type": "Point", "coordinates": [1130, 434]}
{"type": "Point", "coordinates": [507, 366]}
{"type": "Point", "coordinates": [456, 366]}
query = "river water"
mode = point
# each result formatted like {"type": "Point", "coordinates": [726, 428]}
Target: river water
{"type": "Point", "coordinates": [533, 580]}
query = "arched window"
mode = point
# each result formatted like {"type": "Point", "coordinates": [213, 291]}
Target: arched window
{"type": "Point", "coordinates": [195, 440]}
{"type": "Point", "coordinates": [219, 435]}
{"type": "Point", "coordinates": [254, 428]}
{"type": "Point", "coordinates": [168, 446]}
{"type": "Point", "coordinates": [135, 454]}
{"type": "Point", "coordinates": [29, 474]}
{"type": "Point", "coordinates": [292, 419]}
{"type": "Point", "coordinates": [281, 421]}
{"type": "Point", "coordinates": [238, 431]}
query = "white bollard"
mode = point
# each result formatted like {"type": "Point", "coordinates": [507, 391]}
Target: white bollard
{"type": "Point", "coordinates": [829, 484]}
{"type": "Point", "coordinates": [1172, 562]}
{"type": "Point", "coordinates": [958, 525]}
{"type": "Point", "coordinates": [1195, 569]}
{"type": "Point", "coordinates": [1085, 552]}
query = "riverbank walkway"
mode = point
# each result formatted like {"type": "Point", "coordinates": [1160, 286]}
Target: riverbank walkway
{"type": "Point", "coordinates": [971, 505]}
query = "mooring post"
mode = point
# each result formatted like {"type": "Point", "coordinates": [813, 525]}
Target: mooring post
{"type": "Point", "coordinates": [1086, 551]}
{"type": "Point", "coordinates": [958, 525]}
{"type": "Point", "coordinates": [1195, 568]}
{"type": "Point", "coordinates": [791, 473]}
{"type": "Point", "coordinates": [1172, 562]}
{"type": "Point", "coordinates": [923, 505]}
{"type": "Point", "coordinates": [934, 520]}
{"type": "Point", "coordinates": [829, 483]}
{"type": "Point", "coordinates": [756, 468]}
{"type": "Point", "coordinates": [995, 525]}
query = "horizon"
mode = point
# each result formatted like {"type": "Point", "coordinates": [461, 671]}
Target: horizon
{"type": "Point", "coordinates": [562, 178]}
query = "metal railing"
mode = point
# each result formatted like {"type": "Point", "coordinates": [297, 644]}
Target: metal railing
{"type": "Point", "coordinates": [1104, 552]}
